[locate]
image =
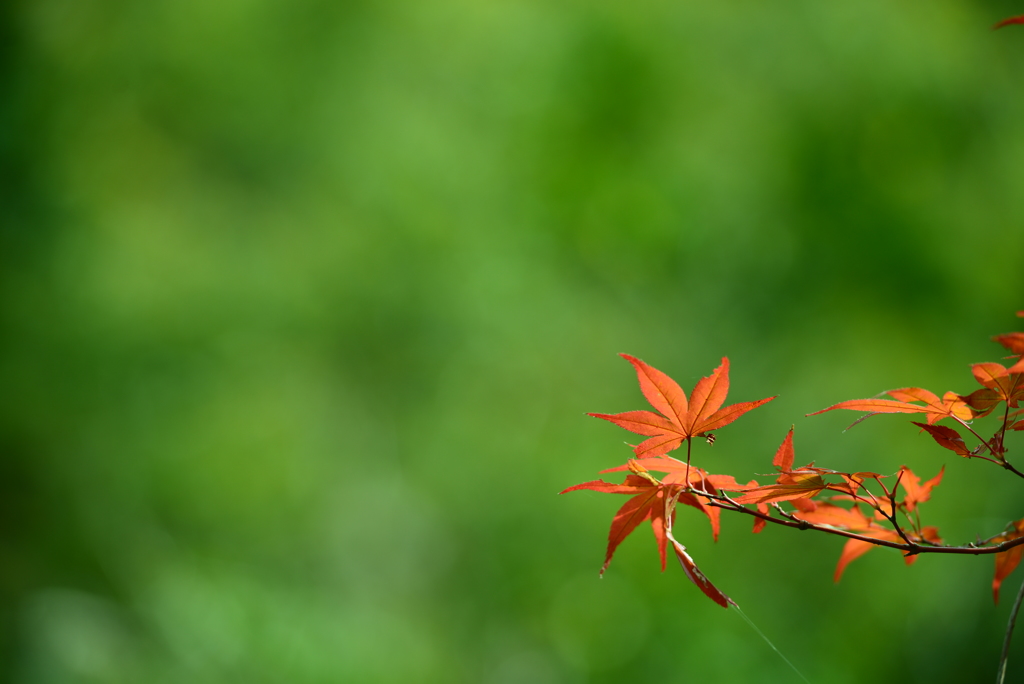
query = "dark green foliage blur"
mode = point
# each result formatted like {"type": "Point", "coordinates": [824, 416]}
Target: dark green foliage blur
{"type": "Point", "coordinates": [303, 304]}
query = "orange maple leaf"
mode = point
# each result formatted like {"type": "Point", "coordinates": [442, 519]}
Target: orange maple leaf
{"type": "Point", "coordinates": [680, 417]}
{"type": "Point", "coordinates": [791, 485]}
{"type": "Point", "coordinates": [853, 520]}
{"type": "Point", "coordinates": [1008, 387]}
{"type": "Point", "coordinates": [650, 501]}
{"type": "Point", "coordinates": [1013, 341]}
{"type": "Point", "coordinates": [917, 493]}
{"type": "Point", "coordinates": [800, 484]}
{"type": "Point", "coordinates": [699, 479]}
{"type": "Point", "coordinates": [1007, 561]}
{"type": "Point", "coordinates": [950, 405]}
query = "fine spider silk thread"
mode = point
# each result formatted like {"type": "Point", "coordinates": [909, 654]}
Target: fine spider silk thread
{"type": "Point", "coordinates": [767, 641]}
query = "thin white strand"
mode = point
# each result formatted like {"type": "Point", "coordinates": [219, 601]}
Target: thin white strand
{"type": "Point", "coordinates": [767, 641]}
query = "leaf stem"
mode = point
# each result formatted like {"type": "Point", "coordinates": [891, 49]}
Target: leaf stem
{"type": "Point", "coordinates": [971, 430]}
{"type": "Point", "coordinates": [688, 441]}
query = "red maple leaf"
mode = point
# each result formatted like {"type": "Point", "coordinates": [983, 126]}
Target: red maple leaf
{"type": "Point", "coordinates": [1006, 22]}
{"type": "Point", "coordinates": [679, 418]}
{"type": "Point", "coordinates": [947, 438]}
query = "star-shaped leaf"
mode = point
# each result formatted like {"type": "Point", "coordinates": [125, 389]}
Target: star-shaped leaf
{"type": "Point", "coordinates": [680, 417]}
{"type": "Point", "coordinates": [917, 493]}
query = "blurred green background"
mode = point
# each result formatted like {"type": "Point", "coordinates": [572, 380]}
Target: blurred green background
{"type": "Point", "coordinates": [304, 303]}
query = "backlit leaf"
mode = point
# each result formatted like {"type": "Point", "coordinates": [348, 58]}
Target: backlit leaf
{"type": "Point", "coordinates": [697, 577]}
{"type": "Point", "coordinates": [917, 493]}
{"type": "Point", "coordinates": [948, 438]}
{"type": "Point", "coordinates": [648, 503]}
{"type": "Point", "coordinates": [1007, 561]}
{"type": "Point", "coordinates": [680, 418]}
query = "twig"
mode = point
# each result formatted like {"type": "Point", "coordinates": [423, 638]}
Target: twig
{"type": "Point", "coordinates": [967, 425]}
{"type": "Point", "coordinates": [892, 517]}
{"type": "Point", "coordinates": [1006, 464]}
{"type": "Point", "coordinates": [913, 548]}
{"type": "Point", "coordinates": [1009, 634]}
{"type": "Point", "coordinates": [1001, 457]}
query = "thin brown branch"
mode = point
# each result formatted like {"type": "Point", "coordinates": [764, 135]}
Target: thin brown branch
{"type": "Point", "coordinates": [908, 548]}
{"type": "Point", "coordinates": [891, 517]}
{"type": "Point", "coordinates": [1006, 464]}
{"type": "Point", "coordinates": [1009, 634]}
{"type": "Point", "coordinates": [1000, 459]}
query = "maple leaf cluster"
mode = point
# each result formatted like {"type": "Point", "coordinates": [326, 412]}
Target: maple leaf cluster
{"type": "Point", "coordinates": [858, 506]}
{"type": "Point", "coordinates": [678, 421]}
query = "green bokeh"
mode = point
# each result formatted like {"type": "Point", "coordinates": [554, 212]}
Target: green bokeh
{"type": "Point", "coordinates": [304, 302]}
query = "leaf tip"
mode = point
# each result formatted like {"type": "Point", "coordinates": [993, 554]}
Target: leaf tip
{"type": "Point", "coordinates": [1006, 22]}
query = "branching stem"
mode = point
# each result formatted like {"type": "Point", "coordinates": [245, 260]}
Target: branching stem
{"type": "Point", "coordinates": [1000, 458]}
{"type": "Point", "coordinates": [909, 547]}
{"type": "Point", "coordinates": [891, 517]}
